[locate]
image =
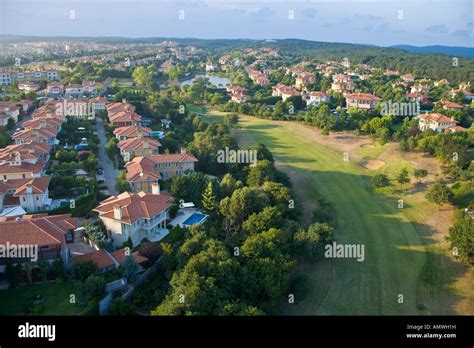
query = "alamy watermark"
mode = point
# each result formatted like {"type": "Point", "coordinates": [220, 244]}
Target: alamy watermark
{"type": "Point", "coordinates": [400, 108]}
{"type": "Point", "coordinates": [236, 156]}
{"type": "Point", "coordinates": [19, 251]}
{"type": "Point", "coordinates": [345, 251]}
{"type": "Point", "coordinates": [73, 108]}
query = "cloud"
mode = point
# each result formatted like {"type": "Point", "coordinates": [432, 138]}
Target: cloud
{"type": "Point", "coordinates": [310, 12]}
{"type": "Point", "coordinates": [464, 34]}
{"type": "Point", "coordinates": [437, 29]}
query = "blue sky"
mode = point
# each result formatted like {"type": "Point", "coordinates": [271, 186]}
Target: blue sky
{"type": "Point", "coordinates": [379, 22]}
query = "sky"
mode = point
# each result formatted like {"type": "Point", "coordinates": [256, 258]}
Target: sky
{"type": "Point", "coordinates": [377, 22]}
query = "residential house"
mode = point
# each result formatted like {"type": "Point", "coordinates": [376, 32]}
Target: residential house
{"type": "Point", "coordinates": [133, 147]}
{"type": "Point", "coordinates": [417, 98]}
{"type": "Point", "coordinates": [106, 261]}
{"type": "Point", "coordinates": [303, 79]}
{"type": "Point", "coordinates": [240, 97]}
{"type": "Point", "coordinates": [136, 131]}
{"type": "Point", "coordinates": [362, 101]}
{"type": "Point", "coordinates": [51, 234]}
{"type": "Point", "coordinates": [316, 98]}
{"type": "Point", "coordinates": [436, 122]}
{"type": "Point", "coordinates": [55, 89]}
{"type": "Point", "coordinates": [449, 105]}
{"type": "Point", "coordinates": [143, 171]}
{"type": "Point", "coordinates": [408, 78]}
{"type": "Point", "coordinates": [28, 86]}
{"type": "Point", "coordinates": [73, 90]}
{"type": "Point", "coordinates": [135, 215]}
{"type": "Point", "coordinates": [41, 135]}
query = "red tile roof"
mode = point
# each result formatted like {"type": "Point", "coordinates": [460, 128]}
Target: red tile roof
{"type": "Point", "coordinates": [36, 229]}
{"type": "Point", "coordinates": [136, 144]}
{"type": "Point", "coordinates": [134, 206]}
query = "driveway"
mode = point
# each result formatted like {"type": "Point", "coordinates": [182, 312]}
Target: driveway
{"type": "Point", "coordinates": [110, 172]}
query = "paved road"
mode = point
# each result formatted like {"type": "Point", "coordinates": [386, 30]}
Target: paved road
{"type": "Point", "coordinates": [110, 172]}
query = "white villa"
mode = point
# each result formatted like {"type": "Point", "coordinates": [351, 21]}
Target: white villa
{"type": "Point", "coordinates": [136, 215]}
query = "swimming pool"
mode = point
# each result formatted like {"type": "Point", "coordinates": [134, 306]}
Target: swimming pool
{"type": "Point", "coordinates": [195, 218]}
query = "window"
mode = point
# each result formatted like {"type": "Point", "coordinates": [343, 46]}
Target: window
{"type": "Point", "coordinates": [37, 198]}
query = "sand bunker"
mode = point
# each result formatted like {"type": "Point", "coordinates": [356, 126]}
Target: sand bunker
{"type": "Point", "coordinates": [373, 164]}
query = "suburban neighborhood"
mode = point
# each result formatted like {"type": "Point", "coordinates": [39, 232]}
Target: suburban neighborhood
{"type": "Point", "coordinates": [163, 176]}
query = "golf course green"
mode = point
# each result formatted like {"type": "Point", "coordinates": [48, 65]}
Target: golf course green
{"type": "Point", "coordinates": [402, 272]}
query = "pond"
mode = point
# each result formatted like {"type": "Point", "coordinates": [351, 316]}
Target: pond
{"type": "Point", "coordinates": [217, 81]}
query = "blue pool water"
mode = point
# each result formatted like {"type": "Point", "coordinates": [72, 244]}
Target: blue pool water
{"type": "Point", "coordinates": [195, 218]}
{"type": "Point", "coordinates": [158, 134]}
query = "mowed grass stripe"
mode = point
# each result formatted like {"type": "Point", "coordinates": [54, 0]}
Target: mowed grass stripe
{"type": "Point", "coordinates": [369, 287]}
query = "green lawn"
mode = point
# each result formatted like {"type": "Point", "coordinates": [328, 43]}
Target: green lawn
{"type": "Point", "coordinates": [398, 260]}
{"type": "Point", "coordinates": [56, 299]}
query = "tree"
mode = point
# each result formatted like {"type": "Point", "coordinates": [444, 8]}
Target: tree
{"type": "Point", "coordinates": [152, 251]}
{"type": "Point", "coordinates": [269, 217]}
{"type": "Point", "coordinates": [268, 270]}
{"type": "Point", "coordinates": [240, 205]}
{"type": "Point", "coordinates": [439, 193]}
{"type": "Point", "coordinates": [121, 183]}
{"type": "Point", "coordinates": [420, 173]}
{"type": "Point", "coordinates": [92, 288]}
{"type": "Point", "coordinates": [380, 180]}
{"type": "Point", "coordinates": [121, 307]}
{"type": "Point", "coordinates": [209, 279]}
{"type": "Point", "coordinates": [228, 185]}
{"type": "Point", "coordinates": [402, 177]}
{"type": "Point", "coordinates": [129, 269]}
{"type": "Point", "coordinates": [261, 172]}
{"type": "Point", "coordinates": [82, 270]}
{"type": "Point", "coordinates": [310, 242]}
{"type": "Point", "coordinates": [461, 237]}
{"type": "Point", "coordinates": [209, 199]}
{"type": "Point", "coordinates": [231, 120]}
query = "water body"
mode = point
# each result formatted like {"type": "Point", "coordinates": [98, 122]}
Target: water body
{"type": "Point", "coordinates": [217, 81]}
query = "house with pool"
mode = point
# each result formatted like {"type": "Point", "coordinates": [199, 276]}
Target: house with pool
{"type": "Point", "coordinates": [188, 215]}
{"type": "Point", "coordinates": [136, 215]}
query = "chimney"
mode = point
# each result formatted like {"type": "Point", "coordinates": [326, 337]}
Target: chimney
{"type": "Point", "coordinates": [155, 188]}
{"type": "Point", "coordinates": [183, 150]}
{"type": "Point", "coordinates": [452, 119]}
{"type": "Point", "coordinates": [118, 212]}
{"type": "Point", "coordinates": [124, 100]}
{"type": "Point", "coordinates": [145, 144]}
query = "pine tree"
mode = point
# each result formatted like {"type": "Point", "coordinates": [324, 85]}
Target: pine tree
{"type": "Point", "coordinates": [209, 199]}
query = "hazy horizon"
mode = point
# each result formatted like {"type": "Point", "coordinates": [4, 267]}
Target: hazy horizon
{"type": "Point", "coordinates": [381, 22]}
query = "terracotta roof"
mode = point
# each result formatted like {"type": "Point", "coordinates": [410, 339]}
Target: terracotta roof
{"type": "Point", "coordinates": [38, 186]}
{"type": "Point", "coordinates": [26, 150]}
{"type": "Point", "coordinates": [134, 206]}
{"type": "Point", "coordinates": [36, 229]}
{"type": "Point", "coordinates": [450, 104]}
{"type": "Point", "coordinates": [134, 144]}
{"type": "Point", "coordinates": [458, 129]}
{"type": "Point", "coordinates": [437, 118]}
{"type": "Point", "coordinates": [132, 131]}
{"type": "Point", "coordinates": [116, 107]}
{"type": "Point", "coordinates": [143, 166]}
{"type": "Point", "coordinates": [40, 133]}
{"type": "Point", "coordinates": [25, 167]}
{"type": "Point", "coordinates": [119, 255]}
{"type": "Point", "coordinates": [100, 257]}
{"type": "Point", "coordinates": [363, 96]}
{"type": "Point", "coordinates": [124, 116]}
{"type": "Point", "coordinates": [50, 122]}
